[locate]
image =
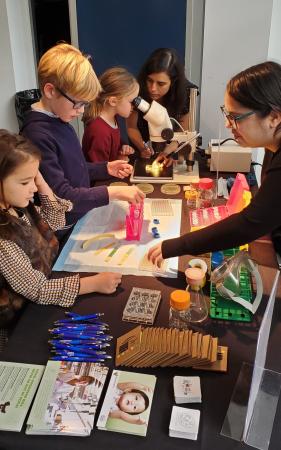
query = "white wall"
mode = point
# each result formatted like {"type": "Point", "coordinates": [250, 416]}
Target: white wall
{"type": "Point", "coordinates": [236, 36]}
{"type": "Point", "coordinates": [274, 51]}
{"type": "Point", "coordinates": [7, 82]}
{"type": "Point", "coordinates": [17, 68]}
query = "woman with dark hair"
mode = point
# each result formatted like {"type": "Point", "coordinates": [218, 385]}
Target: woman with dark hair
{"type": "Point", "coordinates": [162, 79]}
{"type": "Point", "coordinates": [252, 110]}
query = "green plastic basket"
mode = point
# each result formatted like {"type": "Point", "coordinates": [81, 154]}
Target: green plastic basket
{"type": "Point", "coordinates": [224, 309]}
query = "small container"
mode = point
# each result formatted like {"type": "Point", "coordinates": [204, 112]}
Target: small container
{"type": "Point", "coordinates": [200, 264]}
{"type": "Point", "coordinates": [198, 311]}
{"type": "Point", "coordinates": [179, 310]}
{"type": "Point", "coordinates": [206, 193]}
{"type": "Point", "coordinates": [191, 194]}
{"type": "Point", "coordinates": [216, 259]}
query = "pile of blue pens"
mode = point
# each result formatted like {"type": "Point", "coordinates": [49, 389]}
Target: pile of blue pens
{"type": "Point", "coordinates": [80, 338]}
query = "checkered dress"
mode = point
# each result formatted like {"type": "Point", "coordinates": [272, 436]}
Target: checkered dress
{"type": "Point", "coordinates": [17, 269]}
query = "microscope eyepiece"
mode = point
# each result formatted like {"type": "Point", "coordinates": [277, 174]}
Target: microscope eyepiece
{"type": "Point", "coordinates": [136, 101]}
{"type": "Point", "coordinates": [141, 104]}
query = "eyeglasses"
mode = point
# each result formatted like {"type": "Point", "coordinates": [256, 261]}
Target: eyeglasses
{"type": "Point", "coordinates": [232, 119]}
{"type": "Point", "coordinates": [76, 105]}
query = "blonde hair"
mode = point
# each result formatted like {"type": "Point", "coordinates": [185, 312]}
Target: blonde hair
{"type": "Point", "coordinates": [69, 70]}
{"type": "Point", "coordinates": [115, 82]}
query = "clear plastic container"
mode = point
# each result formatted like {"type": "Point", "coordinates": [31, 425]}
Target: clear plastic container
{"type": "Point", "coordinates": [179, 310]}
{"type": "Point", "coordinates": [206, 193]}
{"type": "Point", "coordinates": [198, 311]}
{"type": "Point", "coordinates": [191, 194]}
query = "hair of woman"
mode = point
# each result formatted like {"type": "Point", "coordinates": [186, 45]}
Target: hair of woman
{"type": "Point", "coordinates": [166, 60]}
{"type": "Point", "coordinates": [258, 88]}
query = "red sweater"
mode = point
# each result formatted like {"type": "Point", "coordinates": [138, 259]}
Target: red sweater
{"type": "Point", "coordinates": [101, 142]}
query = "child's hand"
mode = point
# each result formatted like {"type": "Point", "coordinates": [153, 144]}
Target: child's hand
{"type": "Point", "coordinates": [39, 181]}
{"type": "Point", "coordinates": [43, 187]}
{"type": "Point", "coordinates": [131, 194]}
{"type": "Point", "coordinates": [141, 421]}
{"type": "Point", "coordinates": [104, 283]}
{"type": "Point", "coordinates": [155, 255]}
{"type": "Point", "coordinates": [119, 168]}
{"type": "Point", "coordinates": [127, 150]}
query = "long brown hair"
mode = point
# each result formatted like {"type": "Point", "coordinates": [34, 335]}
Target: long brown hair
{"type": "Point", "coordinates": [14, 151]}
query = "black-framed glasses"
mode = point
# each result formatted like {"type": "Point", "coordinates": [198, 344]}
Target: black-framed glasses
{"type": "Point", "coordinates": [233, 119]}
{"type": "Point", "coordinates": [76, 104]}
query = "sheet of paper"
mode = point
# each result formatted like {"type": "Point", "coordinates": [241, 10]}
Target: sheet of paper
{"type": "Point", "coordinates": [98, 244]}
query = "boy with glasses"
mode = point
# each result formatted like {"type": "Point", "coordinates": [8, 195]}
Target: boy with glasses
{"type": "Point", "coordinates": [68, 83]}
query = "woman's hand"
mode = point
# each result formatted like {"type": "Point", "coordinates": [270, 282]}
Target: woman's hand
{"type": "Point", "coordinates": [147, 151]}
{"type": "Point", "coordinates": [131, 194]}
{"type": "Point", "coordinates": [155, 255]}
{"type": "Point", "coordinates": [119, 168]}
{"type": "Point", "coordinates": [164, 159]}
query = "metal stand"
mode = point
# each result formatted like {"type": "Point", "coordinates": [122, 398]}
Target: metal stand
{"type": "Point", "coordinates": [252, 408]}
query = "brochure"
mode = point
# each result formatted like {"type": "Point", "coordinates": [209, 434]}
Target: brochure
{"type": "Point", "coordinates": [18, 383]}
{"type": "Point", "coordinates": [67, 398]}
{"type": "Point", "coordinates": [127, 404]}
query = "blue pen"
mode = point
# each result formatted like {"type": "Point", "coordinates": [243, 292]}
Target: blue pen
{"type": "Point", "coordinates": [74, 316]}
{"type": "Point", "coordinates": [79, 353]}
{"type": "Point", "coordinates": [81, 326]}
{"type": "Point", "coordinates": [82, 337]}
{"type": "Point", "coordinates": [80, 341]}
{"type": "Point", "coordinates": [63, 329]}
{"type": "Point", "coordinates": [80, 349]}
{"type": "Point", "coordinates": [76, 332]}
{"type": "Point", "coordinates": [76, 358]}
{"type": "Point", "coordinates": [70, 346]}
{"type": "Point", "coordinates": [86, 344]}
{"type": "Point", "coordinates": [98, 337]}
{"type": "Point", "coordinates": [82, 322]}
{"type": "Point", "coordinates": [82, 355]}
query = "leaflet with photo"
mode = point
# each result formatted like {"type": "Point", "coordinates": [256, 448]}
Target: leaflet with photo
{"type": "Point", "coordinates": [67, 398]}
{"type": "Point", "coordinates": [127, 404]}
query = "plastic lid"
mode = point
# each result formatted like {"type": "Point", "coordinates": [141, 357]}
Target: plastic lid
{"type": "Point", "coordinates": [194, 276]}
{"type": "Point", "coordinates": [180, 300]}
{"type": "Point", "coordinates": [206, 183]}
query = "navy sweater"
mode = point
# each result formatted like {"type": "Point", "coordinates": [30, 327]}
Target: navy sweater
{"type": "Point", "coordinates": [63, 164]}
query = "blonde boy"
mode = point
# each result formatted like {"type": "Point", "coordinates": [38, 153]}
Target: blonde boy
{"type": "Point", "coordinates": [68, 82]}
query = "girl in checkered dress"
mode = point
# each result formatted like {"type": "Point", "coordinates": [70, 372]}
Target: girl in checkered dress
{"type": "Point", "coordinates": [28, 245]}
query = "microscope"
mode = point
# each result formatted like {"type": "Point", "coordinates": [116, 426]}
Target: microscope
{"type": "Point", "coordinates": [161, 130]}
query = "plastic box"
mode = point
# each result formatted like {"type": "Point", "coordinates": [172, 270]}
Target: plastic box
{"type": "Point", "coordinates": [224, 309]}
{"type": "Point", "coordinates": [239, 198]}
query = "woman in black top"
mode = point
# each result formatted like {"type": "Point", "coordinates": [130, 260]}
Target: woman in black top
{"type": "Point", "coordinates": [162, 79]}
{"type": "Point", "coordinates": [252, 111]}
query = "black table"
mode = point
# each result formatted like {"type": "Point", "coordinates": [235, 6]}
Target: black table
{"type": "Point", "coordinates": [29, 344]}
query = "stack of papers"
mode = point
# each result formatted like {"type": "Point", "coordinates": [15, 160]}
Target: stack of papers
{"type": "Point", "coordinates": [18, 384]}
{"type": "Point", "coordinates": [184, 423]}
{"type": "Point", "coordinates": [67, 399]}
{"type": "Point", "coordinates": [127, 404]}
{"type": "Point", "coordinates": [187, 390]}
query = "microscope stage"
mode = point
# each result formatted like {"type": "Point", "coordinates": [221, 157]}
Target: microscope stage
{"type": "Point", "coordinates": [147, 169]}
{"type": "Point", "coordinates": [173, 174]}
